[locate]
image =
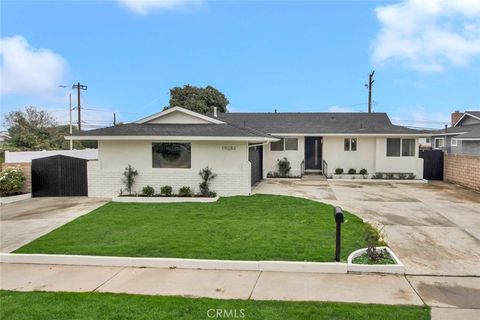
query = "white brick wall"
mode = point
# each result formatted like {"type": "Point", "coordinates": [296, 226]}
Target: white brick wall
{"type": "Point", "coordinates": [107, 183]}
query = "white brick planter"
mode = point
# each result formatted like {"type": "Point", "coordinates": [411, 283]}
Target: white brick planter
{"type": "Point", "coordinates": [173, 263]}
{"type": "Point", "coordinates": [352, 176]}
{"type": "Point", "coordinates": [163, 199]}
{"type": "Point", "coordinates": [397, 268]}
{"type": "Point", "coordinates": [20, 197]}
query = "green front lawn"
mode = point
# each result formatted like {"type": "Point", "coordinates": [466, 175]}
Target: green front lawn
{"type": "Point", "coordinates": [259, 227]}
{"type": "Point", "coordinates": [59, 306]}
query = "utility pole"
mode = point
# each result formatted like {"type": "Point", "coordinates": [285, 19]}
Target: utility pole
{"type": "Point", "coordinates": [114, 119]}
{"type": "Point", "coordinates": [79, 87]}
{"type": "Point", "coordinates": [70, 100]}
{"type": "Point", "coordinates": [369, 86]}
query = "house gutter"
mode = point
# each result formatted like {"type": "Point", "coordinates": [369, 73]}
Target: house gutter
{"type": "Point", "coordinates": [259, 144]}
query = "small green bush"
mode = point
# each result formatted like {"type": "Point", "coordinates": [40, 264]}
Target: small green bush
{"type": "Point", "coordinates": [166, 191]}
{"type": "Point", "coordinates": [338, 171]}
{"type": "Point", "coordinates": [128, 179]}
{"type": "Point", "coordinates": [212, 194]}
{"type": "Point", "coordinates": [11, 181]}
{"type": "Point", "coordinates": [411, 176]}
{"type": "Point", "coordinates": [148, 191]}
{"type": "Point", "coordinates": [402, 176]}
{"type": "Point", "coordinates": [352, 171]}
{"type": "Point", "coordinates": [390, 176]}
{"type": "Point", "coordinates": [378, 175]}
{"type": "Point", "coordinates": [283, 167]}
{"type": "Point", "coordinates": [363, 171]}
{"type": "Point", "coordinates": [185, 191]}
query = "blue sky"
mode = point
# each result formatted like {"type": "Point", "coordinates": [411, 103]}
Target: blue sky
{"type": "Point", "coordinates": [290, 56]}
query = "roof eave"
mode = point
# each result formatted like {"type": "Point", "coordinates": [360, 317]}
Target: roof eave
{"type": "Point", "coordinates": [174, 138]}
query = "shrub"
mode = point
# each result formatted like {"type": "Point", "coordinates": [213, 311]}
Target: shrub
{"type": "Point", "coordinates": [11, 181]}
{"type": "Point", "coordinates": [148, 191]}
{"type": "Point", "coordinates": [411, 176]}
{"type": "Point", "coordinates": [338, 171]}
{"type": "Point", "coordinates": [185, 191]}
{"type": "Point", "coordinates": [372, 238]}
{"type": "Point", "coordinates": [283, 167]}
{"type": "Point", "coordinates": [352, 171]}
{"type": "Point", "coordinates": [378, 175]}
{"type": "Point", "coordinates": [212, 194]}
{"type": "Point", "coordinates": [207, 175]}
{"type": "Point", "coordinates": [390, 175]}
{"type": "Point", "coordinates": [363, 171]}
{"type": "Point", "coordinates": [402, 176]}
{"type": "Point", "coordinates": [166, 191]}
{"type": "Point", "coordinates": [129, 178]}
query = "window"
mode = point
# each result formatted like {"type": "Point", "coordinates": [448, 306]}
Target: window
{"type": "Point", "coordinates": [454, 142]}
{"type": "Point", "coordinates": [291, 144]}
{"type": "Point", "coordinates": [393, 147]}
{"type": "Point", "coordinates": [284, 144]}
{"type": "Point", "coordinates": [403, 147]}
{"type": "Point", "coordinates": [408, 147]}
{"type": "Point", "coordinates": [277, 145]}
{"type": "Point", "coordinates": [350, 144]}
{"type": "Point", "coordinates": [427, 140]}
{"type": "Point", "coordinates": [439, 143]}
{"type": "Point", "coordinates": [171, 155]}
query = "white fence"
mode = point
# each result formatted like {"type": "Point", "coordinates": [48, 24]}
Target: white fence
{"type": "Point", "coordinates": [28, 156]}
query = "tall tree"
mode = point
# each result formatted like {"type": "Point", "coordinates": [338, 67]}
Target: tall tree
{"type": "Point", "coordinates": [198, 99]}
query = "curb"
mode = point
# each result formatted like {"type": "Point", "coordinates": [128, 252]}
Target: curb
{"type": "Point", "coordinates": [173, 263]}
{"type": "Point", "coordinates": [12, 199]}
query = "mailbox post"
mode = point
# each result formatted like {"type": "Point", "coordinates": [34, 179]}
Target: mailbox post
{"type": "Point", "coordinates": [338, 215]}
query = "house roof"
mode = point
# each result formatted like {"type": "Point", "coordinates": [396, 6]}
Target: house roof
{"type": "Point", "coordinates": [471, 131]}
{"type": "Point", "coordinates": [473, 114]}
{"type": "Point", "coordinates": [317, 123]}
{"type": "Point", "coordinates": [253, 126]}
{"type": "Point", "coordinates": [173, 130]}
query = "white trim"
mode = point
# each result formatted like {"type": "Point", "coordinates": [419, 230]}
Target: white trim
{"type": "Point", "coordinates": [435, 143]}
{"type": "Point", "coordinates": [173, 138]}
{"type": "Point", "coordinates": [463, 116]}
{"type": "Point", "coordinates": [180, 109]}
{"type": "Point", "coordinates": [353, 134]}
{"type": "Point", "coordinates": [468, 139]}
{"type": "Point", "coordinates": [133, 199]}
{"type": "Point", "coordinates": [11, 199]}
{"type": "Point", "coordinates": [448, 134]}
{"type": "Point", "coordinates": [397, 268]}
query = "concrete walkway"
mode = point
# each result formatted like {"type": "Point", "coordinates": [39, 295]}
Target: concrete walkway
{"type": "Point", "coordinates": [22, 222]}
{"type": "Point", "coordinates": [454, 297]}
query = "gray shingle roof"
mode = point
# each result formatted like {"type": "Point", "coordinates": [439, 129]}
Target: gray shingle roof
{"type": "Point", "coordinates": [323, 122]}
{"type": "Point", "coordinates": [474, 113]}
{"type": "Point", "coordinates": [471, 131]}
{"type": "Point", "coordinates": [207, 130]}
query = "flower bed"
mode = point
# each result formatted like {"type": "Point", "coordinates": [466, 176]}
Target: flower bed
{"type": "Point", "coordinates": [163, 199]}
{"type": "Point", "coordinates": [358, 261]}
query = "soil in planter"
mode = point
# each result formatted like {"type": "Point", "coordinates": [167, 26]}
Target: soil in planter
{"type": "Point", "coordinates": [365, 259]}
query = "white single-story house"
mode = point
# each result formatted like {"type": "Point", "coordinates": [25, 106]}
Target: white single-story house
{"type": "Point", "coordinates": [170, 148]}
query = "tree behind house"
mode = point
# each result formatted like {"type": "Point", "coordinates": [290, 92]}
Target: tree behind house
{"type": "Point", "coordinates": [201, 100]}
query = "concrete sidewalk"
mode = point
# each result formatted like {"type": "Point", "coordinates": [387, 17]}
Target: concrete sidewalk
{"type": "Point", "coordinates": [449, 297]}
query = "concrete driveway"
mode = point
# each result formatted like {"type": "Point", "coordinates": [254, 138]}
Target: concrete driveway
{"type": "Point", "coordinates": [434, 228]}
{"type": "Point", "coordinates": [23, 221]}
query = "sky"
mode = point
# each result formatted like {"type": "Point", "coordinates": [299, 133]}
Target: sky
{"type": "Point", "coordinates": [291, 56]}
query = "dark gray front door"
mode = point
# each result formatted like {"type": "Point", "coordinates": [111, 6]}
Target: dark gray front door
{"type": "Point", "coordinates": [313, 153]}
{"type": "Point", "coordinates": [255, 158]}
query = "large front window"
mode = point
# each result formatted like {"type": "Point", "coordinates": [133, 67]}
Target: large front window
{"type": "Point", "coordinates": [288, 144]}
{"type": "Point", "coordinates": [171, 155]}
{"type": "Point", "coordinates": [398, 146]}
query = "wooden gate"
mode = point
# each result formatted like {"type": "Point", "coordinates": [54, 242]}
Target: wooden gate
{"type": "Point", "coordinates": [432, 164]}
{"type": "Point", "coordinates": [59, 176]}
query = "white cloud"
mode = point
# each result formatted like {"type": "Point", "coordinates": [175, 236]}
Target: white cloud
{"type": "Point", "coordinates": [427, 35]}
{"type": "Point", "coordinates": [143, 7]}
{"type": "Point", "coordinates": [26, 70]}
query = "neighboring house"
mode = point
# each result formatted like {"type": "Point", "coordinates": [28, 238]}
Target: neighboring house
{"type": "Point", "coordinates": [425, 143]}
{"type": "Point", "coordinates": [463, 137]}
{"type": "Point", "coordinates": [170, 147]}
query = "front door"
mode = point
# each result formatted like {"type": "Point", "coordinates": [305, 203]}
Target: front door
{"type": "Point", "coordinates": [313, 153]}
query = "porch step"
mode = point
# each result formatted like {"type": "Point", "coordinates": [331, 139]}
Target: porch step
{"type": "Point", "coordinates": [316, 177]}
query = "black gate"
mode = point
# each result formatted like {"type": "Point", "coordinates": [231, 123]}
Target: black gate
{"type": "Point", "coordinates": [59, 176]}
{"type": "Point", "coordinates": [255, 157]}
{"type": "Point", "coordinates": [432, 164]}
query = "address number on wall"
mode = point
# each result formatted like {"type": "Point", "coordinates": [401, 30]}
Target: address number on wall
{"type": "Point", "coordinates": [229, 148]}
